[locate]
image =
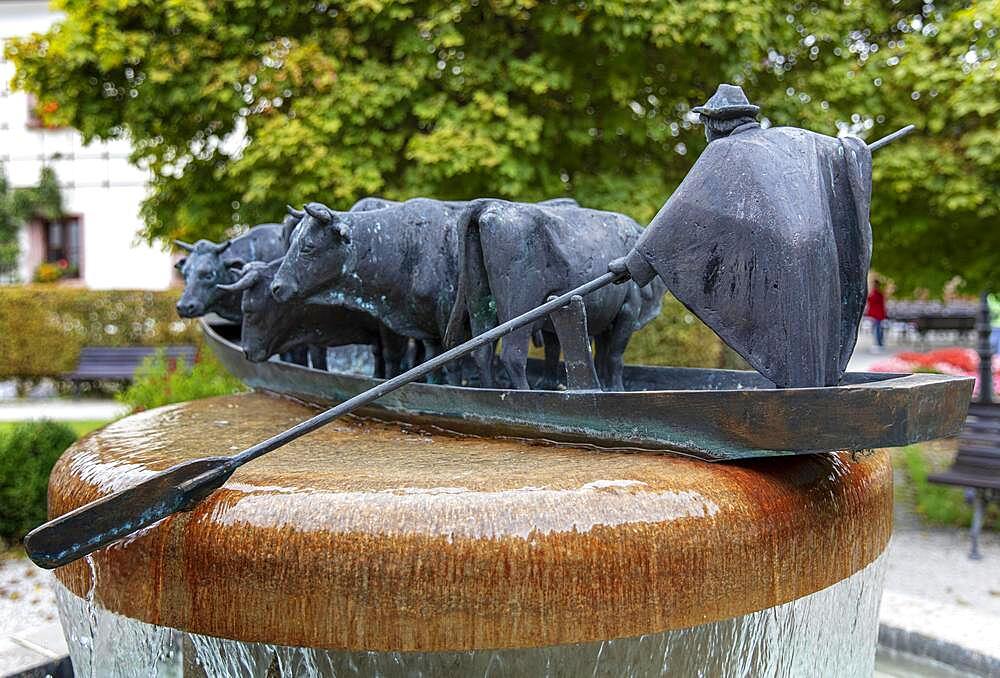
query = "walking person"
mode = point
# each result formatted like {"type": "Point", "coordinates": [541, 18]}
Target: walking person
{"type": "Point", "coordinates": [875, 309]}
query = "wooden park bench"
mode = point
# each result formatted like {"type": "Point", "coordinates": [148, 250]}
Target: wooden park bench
{"type": "Point", "coordinates": [118, 363]}
{"type": "Point", "coordinates": [977, 464]}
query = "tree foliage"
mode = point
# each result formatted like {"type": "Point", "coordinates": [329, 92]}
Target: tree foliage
{"type": "Point", "coordinates": [240, 106]}
{"type": "Point", "coordinates": [18, 205]}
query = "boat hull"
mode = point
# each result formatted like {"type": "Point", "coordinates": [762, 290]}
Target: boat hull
{"type": "Point", "coordinates": [710, 414]}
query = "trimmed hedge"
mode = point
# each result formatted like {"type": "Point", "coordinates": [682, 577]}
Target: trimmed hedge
{"type": "Point", "coordinates": [27, 454]}
{"type": "Point", "coordinates": [678, 338]}
{"type": "Point", "coordinates": [43, 328]}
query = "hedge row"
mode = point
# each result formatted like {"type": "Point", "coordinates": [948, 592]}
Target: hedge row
{"type": "Point", "coordinates": [678, 338]}
{"type": "Point", "coordinates": [43, 328]}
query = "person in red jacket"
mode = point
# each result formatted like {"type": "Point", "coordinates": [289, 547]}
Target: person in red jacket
{"type": "Point", "coordinates": [875, 309]}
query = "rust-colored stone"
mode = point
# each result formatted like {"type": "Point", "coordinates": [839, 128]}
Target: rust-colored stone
{"type": "Point", "coordinates": [365, 535]}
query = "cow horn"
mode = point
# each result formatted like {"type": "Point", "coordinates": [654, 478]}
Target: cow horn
{"type": "Point", "coordinates": [317, 211]}
{"type": "Point", "coordinates": [184, 246]}
{"type": "Point", "coordinates": [219, 249]}
{"type": "Point", "coordinates": [298, 214]}
{"type": "Point", "coordinates": [246, 281]}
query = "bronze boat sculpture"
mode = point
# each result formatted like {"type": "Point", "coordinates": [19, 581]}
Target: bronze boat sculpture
{"type": "Point", "coordinates": [706, 413]}
{"type": "Point", "coordinates": [767, 240]}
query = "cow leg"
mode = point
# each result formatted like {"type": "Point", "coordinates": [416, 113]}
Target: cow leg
{"type": "Point", "coordinates": [483, 356]}
{"type": "Point", "coordinates": [612, 357]}
{"type": "Point", "coordinates": [550, 377]}
{"type": "Point", "coordinates": [378, 362]}
{"type": "Point", "coordinates": [416, 355]}
{"type": "Point", "coordinates": [514, 357]}
{"type": "Point", "coordinates": [615, 341]}
{"type": "Point", "coordinates": [432, 349]}
{"type": "Point", "coordinates": [602, 358]}
{"type": "Point", "coordinates": [317, 357]}
{"type": "Point", "coordinates": [480, 305]}
{"type": "Point", "coordinates": [393, 352]}
{"type": "Point", "coordinates": [297, 356]}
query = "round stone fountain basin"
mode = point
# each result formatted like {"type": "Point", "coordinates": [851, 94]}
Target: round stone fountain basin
{"type": "Point", "coordinates": [370, 540]}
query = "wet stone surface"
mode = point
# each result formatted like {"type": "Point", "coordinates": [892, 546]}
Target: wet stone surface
{"type": "Point", "coordinates": [365, 535]}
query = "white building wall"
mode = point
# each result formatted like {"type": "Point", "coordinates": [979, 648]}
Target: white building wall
{"type": "Point", "coordinates": [98, 183]}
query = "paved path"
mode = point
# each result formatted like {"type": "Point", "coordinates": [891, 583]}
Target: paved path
{"type": "Point", "coordinates": [30, 634]}
{"type": "Point", "coordinates": [934, 564]}
{"type": "Point", "coordinates": [60, 409]}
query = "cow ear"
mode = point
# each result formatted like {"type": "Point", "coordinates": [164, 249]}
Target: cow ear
{"type": "Point", "coordinates": [341, 232]}
{"type": "Point", "coordinates": [180, 263]}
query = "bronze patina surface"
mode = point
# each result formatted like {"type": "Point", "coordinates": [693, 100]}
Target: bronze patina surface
{"type": "Point", "coordinates": [706, 413]}
{"type": "Point", "coordinates": [365, 535]}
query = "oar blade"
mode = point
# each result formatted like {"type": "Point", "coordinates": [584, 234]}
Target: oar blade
{"type": "Point", "coordinates": [99, 523]}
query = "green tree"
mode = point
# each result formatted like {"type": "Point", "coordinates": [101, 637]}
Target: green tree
{"type": "Point", "coordinates": [526, 100]}
{"type": "Point", "coordinates": [17, 205]}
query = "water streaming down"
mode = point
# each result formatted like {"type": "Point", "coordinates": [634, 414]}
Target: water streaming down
{"type": "Point", "coordinates": [831, 633]}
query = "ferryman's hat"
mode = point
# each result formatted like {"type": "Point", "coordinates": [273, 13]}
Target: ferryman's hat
{"type": "Point", "coordinates": [729, 101]}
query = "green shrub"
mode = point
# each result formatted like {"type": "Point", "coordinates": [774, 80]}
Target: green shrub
{"type": "Point", "coordinates": [43, 328]}
{"type": "Point", "coordinates": [937, 504]}
{"type": "Point", "coordinates": [161, 381]}
{"type": "Point", "coordinates": [678, 338]}
{"type": "Point", "coordinates": [27, 453]}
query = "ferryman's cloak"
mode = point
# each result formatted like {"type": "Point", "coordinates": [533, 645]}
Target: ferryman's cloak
{"type": "Point", "coordinates": [767, 240]}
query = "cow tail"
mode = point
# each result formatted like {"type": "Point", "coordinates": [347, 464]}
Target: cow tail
{"type": "Point", "coordinates": [456, 333]}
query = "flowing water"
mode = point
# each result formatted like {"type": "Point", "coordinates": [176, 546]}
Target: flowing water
{"type": "Point", "coordinates": [830, 633]}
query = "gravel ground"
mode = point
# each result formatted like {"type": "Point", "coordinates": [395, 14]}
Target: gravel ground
{"type": "Point", "coordinates": [26, 597]}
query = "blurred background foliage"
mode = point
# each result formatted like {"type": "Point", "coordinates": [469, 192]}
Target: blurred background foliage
{"type": "Point", "coordinates": [43, 328]}
{"type": "Point", "coordinates": [161, 381]}
{"type": "Point", "coordinates": [239, 106]}
{"type": "Point", "coordinates": [18, 205]}
{"type": "Point", "coordinates": [28, 451]}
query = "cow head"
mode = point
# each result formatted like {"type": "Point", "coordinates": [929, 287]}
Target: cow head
{"type": "Point", "coordinates": [320, 247]}
{"type": "Point", "coordinates": [204, 268]}
{"type": "Point", "coordinates": [262, 316]}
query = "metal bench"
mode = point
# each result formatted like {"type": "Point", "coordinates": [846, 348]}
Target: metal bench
{"type": "Point", "coordinates": [977, 464]}
{"type": "Point", "coordinates": [118, 363]}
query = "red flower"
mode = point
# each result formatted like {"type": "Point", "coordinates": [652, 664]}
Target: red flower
{"type": "Point", "coordinates": [962, 358]}
{"type": "Point", "coordinates": [63, 264]}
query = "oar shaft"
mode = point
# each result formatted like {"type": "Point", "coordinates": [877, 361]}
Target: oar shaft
{"type": "Point", "coordinates": [421, 370]}
{"type": "Point", "coordinates": [886, 140]}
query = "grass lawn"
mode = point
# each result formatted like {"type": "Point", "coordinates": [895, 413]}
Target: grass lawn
{"type": "Point", "coordinates": [80, 428]}
{"type": "Point", "coordinates": [936, 504]}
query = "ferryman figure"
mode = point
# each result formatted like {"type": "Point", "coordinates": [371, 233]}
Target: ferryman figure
{"type": "Point", "coordinates": [767, 240]}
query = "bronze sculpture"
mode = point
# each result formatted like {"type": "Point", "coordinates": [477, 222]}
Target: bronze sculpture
{"type": "Point", "coordinates": [209, 265]}
{"type": "Point", "coordinates": [716, 272]}
{"type": "Point", "coordinates": [512, 256]}
{"type": "Point", "coordinates": [271, 328]}
{"type": "Point", "coordinates": [767, 240]}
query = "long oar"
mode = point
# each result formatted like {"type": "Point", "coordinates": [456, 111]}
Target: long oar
{"type": "Point", "coordinates": [102, 522]}
{"type": "Point", "coordinates": [886, 140]}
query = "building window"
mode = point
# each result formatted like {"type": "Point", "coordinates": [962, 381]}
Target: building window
{"type": "Point", "coordinates": [62, 245]}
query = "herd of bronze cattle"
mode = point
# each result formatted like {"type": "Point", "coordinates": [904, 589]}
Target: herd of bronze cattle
{"type": "Point", "coordinates": [409, 279]}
